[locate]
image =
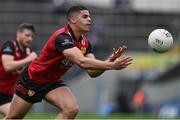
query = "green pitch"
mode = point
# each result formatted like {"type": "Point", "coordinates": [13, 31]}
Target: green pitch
{"type": "Point", "coordinates": [89, 116]}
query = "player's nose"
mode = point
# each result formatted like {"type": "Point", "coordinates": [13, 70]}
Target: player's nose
{"type": "Point", "coordinates": [30, 39]}
{"type": "Point", "coordinates": [89, 19]}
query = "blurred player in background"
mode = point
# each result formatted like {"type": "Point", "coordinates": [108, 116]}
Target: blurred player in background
{"type": "Point", "coordinates": [65, 47]}
{"type": "Point", "coordinates": [14, 55]}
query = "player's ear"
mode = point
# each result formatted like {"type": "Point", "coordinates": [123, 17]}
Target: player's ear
{"type": "Point", "coordinates": [73, 20]}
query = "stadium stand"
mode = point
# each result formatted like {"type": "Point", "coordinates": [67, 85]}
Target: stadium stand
{"type": "Point", "coordinates": [120, 26]}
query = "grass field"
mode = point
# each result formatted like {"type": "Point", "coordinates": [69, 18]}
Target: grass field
{"type": "Point", "coordinates": [89, 116]}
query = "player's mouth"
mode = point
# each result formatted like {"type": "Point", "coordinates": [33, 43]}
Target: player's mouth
{"type": "Point", "coordinates": [89, 24]}
{"type": "Point", "coordinates": [28, 43]}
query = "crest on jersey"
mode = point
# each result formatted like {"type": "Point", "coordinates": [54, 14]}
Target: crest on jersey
{"type": "Point", "coordinates": [83, 50]}
{"type": "Point", "coordinates": [31, 93]}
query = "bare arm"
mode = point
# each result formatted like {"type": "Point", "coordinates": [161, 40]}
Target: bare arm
{"type": "Point", "coordinates": [94, 73]}
{"type": "Point", "coordinates": [115, 54]}
{"type": "Point", "coordinates": [10, 64]}
{"type": "Point", "coordinates": [76, 56]}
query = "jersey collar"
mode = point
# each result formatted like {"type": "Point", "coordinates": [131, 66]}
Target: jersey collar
{"type": "Point", "coordinates": [72, 34]}
{"type": "Point", "coordinates": [17, 44]}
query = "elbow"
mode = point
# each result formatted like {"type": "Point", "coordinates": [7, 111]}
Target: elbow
{"type": "Point", "coordinates": [8, 69]}
{"type": "Point", "coordinates": [93, 76]}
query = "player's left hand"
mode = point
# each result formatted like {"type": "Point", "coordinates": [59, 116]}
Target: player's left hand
{"type": "Point", "coordinates": [117, 53]}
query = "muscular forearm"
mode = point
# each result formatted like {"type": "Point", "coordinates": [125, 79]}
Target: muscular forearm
{"type": "Point", "coordinates": [10, 64]}
{"type": "Point", "coordinates": [94, 64]}
{"type": "Point", "coordinates": [96, 73]}
{"type": "Point", "coordinates": [14, 65]}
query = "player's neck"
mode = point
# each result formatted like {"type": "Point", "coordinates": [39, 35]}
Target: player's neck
{"type": "Point", "coordinates": [20, 45]}
{"type": "Point", "coordinates": [77, 32]}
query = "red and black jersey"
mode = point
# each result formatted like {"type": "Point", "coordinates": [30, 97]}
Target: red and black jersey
{"type": "Point", "coordinates": [52, 64]}
{"type": "Point", "coordinates": [9, 79]}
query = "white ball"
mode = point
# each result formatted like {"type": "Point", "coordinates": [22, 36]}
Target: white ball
{"type": "Point", "coordinates": [160, 40]}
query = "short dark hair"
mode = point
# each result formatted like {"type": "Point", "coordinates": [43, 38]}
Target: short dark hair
{"type": "Point", "coordinates": [28, 26]}
{"type": "Point", "coordinates": [74, 9]}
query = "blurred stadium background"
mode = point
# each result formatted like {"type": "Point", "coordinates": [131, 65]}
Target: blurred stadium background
{"type": "Point", "coordinates": [149, 87]}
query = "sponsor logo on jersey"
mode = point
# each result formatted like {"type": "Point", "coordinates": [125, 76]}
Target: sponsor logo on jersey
{"type": "Point", "coordinates": [66, 42]}
{"type": "Point", "coordinates": [7, 49]}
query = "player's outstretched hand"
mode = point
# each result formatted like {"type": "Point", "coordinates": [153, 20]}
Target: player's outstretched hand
{"type": "Point", "coordinates": [117, 53]}
{"type": "Point", "coordinates": [122, 62]}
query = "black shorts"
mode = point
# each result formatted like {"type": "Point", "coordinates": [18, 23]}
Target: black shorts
{"type": "Point", "coordinates": [31, 91]}
{"type": "Point", "coordinates": [5, 98]}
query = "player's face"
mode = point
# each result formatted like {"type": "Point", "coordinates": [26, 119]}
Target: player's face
{"type": "Point", "coordinates": [25, 37]}
{"type": "Point", "coordinates": [83, 20]}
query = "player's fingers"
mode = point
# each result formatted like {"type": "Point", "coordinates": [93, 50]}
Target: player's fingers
{"type": "Point", "coordinates": [124, 65]}
{"type": "Point", "coordinates": [114, 52]}
{"type": "Point", "coordinates": [124, 46]}
{"type": "Point", "coordinates": [117, 52]}
{"type": "Point", "coordinates": [128, 63]}
{"type": "Point", "coordinates": [128, 60]}
{"type": "Point", "coordinates": [121, 50]}
{"type": "Point", "coordinates": [124, 58]}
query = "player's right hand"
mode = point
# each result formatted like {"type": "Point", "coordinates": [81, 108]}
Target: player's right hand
{"type": "Point", "coordinates": [122, 62]}
{"type": "Point", "coordinates": [32, 56]}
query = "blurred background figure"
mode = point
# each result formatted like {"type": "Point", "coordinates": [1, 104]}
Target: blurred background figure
{"type": "Point", "coordinates": [14, 56]}
{"type": "Point", "coordinates": [117, 22]}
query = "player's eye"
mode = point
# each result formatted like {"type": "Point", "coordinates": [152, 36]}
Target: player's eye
{"type": "Point", "coordinates": [85, 16]}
